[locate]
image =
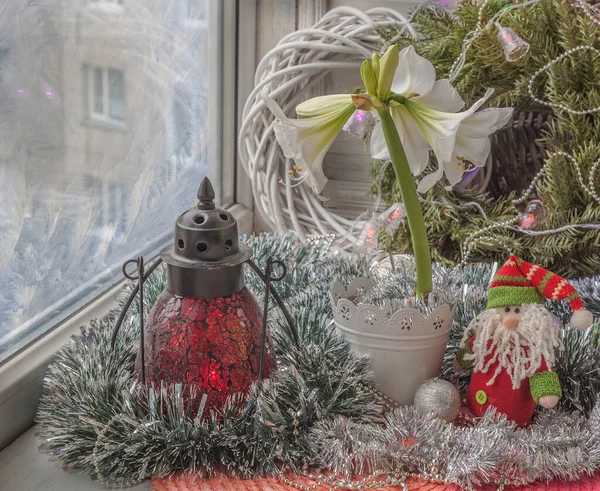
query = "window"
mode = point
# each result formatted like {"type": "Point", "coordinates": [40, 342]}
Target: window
{"type": "Point", "coordinates": [106, 89]}
{"type": "Point", "coordinates": [196, 9]}
{"type": "Point", "coordinates": [105, 134]}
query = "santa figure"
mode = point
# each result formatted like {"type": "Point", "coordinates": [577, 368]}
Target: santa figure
{"type": "Point", "coordinates": [511, 346]}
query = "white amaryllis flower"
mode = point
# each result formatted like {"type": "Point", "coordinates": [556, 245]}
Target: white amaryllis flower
{"type": "Point", "coordinates": [472, 146]}
{"type": "Point", "coordinates": [307, 140]}
{"type": "Point", "coordinates": [426, 116]}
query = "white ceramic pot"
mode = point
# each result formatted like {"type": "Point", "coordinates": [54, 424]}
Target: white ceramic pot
{"type": "Point", "coordinates": [404, 348]}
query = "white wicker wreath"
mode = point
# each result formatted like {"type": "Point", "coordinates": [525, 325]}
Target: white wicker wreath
{"type": "Point", "coordinates": [343, 38]}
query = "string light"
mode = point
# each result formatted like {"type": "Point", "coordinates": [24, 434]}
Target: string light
{"type": "Point", "coordinates": [360, 124]}
{"type": "Point", "coordinates": [480, 28]}
{"type": "Point", "coordinates": [547, 66]}
{"type": "Point", "coordinates": [514, 47]}
{"type": "Point", "coordinates": [534, 215]}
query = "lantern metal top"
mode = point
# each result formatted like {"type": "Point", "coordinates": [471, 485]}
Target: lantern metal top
{"type": "Point", "coordinates": [206, 258]}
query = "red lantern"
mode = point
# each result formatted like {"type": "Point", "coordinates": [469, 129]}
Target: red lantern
{"type": "Point", "coordinates": [205, 330]}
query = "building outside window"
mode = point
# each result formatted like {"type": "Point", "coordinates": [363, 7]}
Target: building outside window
{"type": "Point", "coordinates": [106, 87]}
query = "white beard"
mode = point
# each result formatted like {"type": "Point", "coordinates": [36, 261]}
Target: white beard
{"type": "Point", "coordinates": [519, 352]}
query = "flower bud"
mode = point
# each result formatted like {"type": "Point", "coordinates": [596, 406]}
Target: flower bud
{"type": "Point", "coordinates": [375, 62]}
{"type": "Point", "coordinates": [368, 77]}
{"type": "Point", "coordinates": [387, 69]}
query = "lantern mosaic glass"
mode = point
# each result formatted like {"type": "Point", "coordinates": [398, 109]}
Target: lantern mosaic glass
{"type": "Point", "coordinates": [205, 329]}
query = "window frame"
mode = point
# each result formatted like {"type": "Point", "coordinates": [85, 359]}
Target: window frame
{"type": "Point", "coordinates": [105, 116]}
{"type": "Point", "coordinates": [21, 374]}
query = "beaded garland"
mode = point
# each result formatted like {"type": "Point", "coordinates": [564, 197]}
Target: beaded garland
{"type": "Point", "coordinates": [546, 67]}
{"type": "Point", "coordinates": [589, 10]}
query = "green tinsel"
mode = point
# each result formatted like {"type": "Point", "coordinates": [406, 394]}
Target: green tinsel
{"type": "Point", "coordinates": [92, 401]}
{"type": "Point", "coordinates": [550, 27]}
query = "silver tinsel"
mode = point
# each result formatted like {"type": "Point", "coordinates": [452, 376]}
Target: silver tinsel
{"type": "Point", "coordinates": [558, 446]}
{"type": "Point", "coordinates": [318, 408]}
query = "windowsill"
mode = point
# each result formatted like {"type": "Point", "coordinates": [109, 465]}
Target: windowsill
{"type": "Point", "coordinates": [21, 376]}
{"type": "Point", "coordinates": [104, 125]}
{"type": "Point", "coordinates": [25, 468]}
{"type": "Point", "coordinates": [106, 7]}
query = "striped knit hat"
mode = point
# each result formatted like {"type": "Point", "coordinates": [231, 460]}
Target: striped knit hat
{"type": "Point", "coordinates": [519, 282]}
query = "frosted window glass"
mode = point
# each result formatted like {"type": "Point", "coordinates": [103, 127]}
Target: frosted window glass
{"type": "Point", "coordinates": [98, 90]}
{"type": "Point", "coordinates": [80, 194]}
{"type": "Point", "coordinates": [116, 94]}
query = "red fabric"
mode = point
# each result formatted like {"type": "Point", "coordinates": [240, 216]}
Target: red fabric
{"type": "Point", "coordinates": [508, 269]}
{"type": "Point", "coordinates": [516, 404]}
{"type": "Point", "coordinates": [556, 288]}
{"type": "Point", "coordinates": [577, 303]}
{"type": "Point", "coordinates": [192, 483]}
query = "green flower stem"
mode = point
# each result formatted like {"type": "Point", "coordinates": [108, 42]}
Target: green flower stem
{"type": "Point", "coordinates": [412, 207]}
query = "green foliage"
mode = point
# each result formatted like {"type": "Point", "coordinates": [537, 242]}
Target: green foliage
{"type": "Point", "coordinates": [551, 27]}
{"type": "Point", "coordinates": [448, 226]}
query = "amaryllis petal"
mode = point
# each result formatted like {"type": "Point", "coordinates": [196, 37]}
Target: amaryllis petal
{"type": "Point", "coordinates": [437, 128]}
{"type": "Point", "coordinates": [416, 146]}
{"type": "Point", "coordinates": [317, 106]}
{"type": "Point", "coordinates": [306, 141]}
{"type": "Point", "coordinates": [443, 97]}
{"type": "Point", "coordinates": [470, 150]}
{"type": "Point", "coordinates": [415, 74]}
{"type": "Point", "coordinates": [379, 149]}
{"type": "Point", "coordinates": [485, 122]}
{"type": "Point", "coordinates": [429, 180]}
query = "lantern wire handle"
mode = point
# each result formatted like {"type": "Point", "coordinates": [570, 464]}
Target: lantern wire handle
{"type": "Point", "coordinates": [268, 278]}
{"type": "Point", "coordinates": [140, 277]}
{"type": "Point", "coordinates": [132, 295]}
{"type": "Point", "coordinates": [269, 288]}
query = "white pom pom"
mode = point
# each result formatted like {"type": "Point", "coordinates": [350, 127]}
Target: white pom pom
{"type": "Point", "coordinates": [582, 319]}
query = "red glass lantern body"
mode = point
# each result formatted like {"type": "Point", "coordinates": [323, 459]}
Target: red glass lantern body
{"type": "Point", "coordinates": [205, 331]}
{"type": "Point", "coordinates": [212, 344]}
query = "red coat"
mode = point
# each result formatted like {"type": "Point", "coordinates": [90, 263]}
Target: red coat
{"type": "Point", "coordinates": [517, 404]}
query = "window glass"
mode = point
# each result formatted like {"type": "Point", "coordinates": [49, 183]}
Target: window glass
{"type": "Point", "coordinates": [102, 144]}
{"type": "Point", "coordinates": [98, 90]}
{"type": "Point", "coordinates": [116, 94]}
{"type": "Point", "coordinates": [196, 9]}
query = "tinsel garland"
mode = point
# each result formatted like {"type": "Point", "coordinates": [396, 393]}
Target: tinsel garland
{"type": "Point", "coordinates": [560, 445]}
{"type": "Point", "coordinates": [318, 409]}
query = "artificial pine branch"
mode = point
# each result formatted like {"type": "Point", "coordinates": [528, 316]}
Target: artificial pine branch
{"type": "Point", "coordinates": [550, 27]}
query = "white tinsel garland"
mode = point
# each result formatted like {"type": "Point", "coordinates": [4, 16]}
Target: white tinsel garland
{"type": "Point", "coordinates": [317, 408]}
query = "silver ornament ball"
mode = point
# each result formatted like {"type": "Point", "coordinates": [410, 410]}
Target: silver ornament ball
{"type": "Point", "coordinates": [438, 397]}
